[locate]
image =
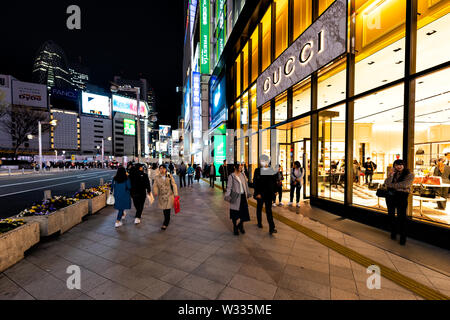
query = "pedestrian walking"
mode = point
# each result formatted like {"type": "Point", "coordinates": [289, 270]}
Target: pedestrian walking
{"type": "Point", "coordinates": [370, 167]}
{"type": "Point", "coordinates": [398, 184]}
{"type": "Point", "coordinates": [182, 174]}
{"type": "Point", "coordinates": [140, 188]}
{"type": "Point", "coordinates": [237, 194]}
{"type": "Point", "coordinates": [171, 167]}
{"type": "Point", "coordinates": [263, 183]}
{"type": "Point", "coordinates": [198, 172]}
{"type": "Point", "coordinates": [190, 174]}
{"type": "Point", "coordinates": [212, 175]}
{"type": "Point", "coordinates": [121, 187]}
{"type": "Point", "coordinates": [223, 171]}
{"type": "Point", "coordinates": [278, 186]}
{"type": "Point", "coordinates": [152, 173]}
{"type": "Point", "coordinates": [166, 190]}
{"type": "Point", "coordinates": [297, 174]}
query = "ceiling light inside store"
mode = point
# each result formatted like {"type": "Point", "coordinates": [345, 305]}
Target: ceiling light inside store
{"type": "Point", "coordinates": [431, 32]}
{"type": "Point", "coordinates": [398, 62]}
{"type": "Point", "coordinates": [371, 62]}
{"type": "Point", "coordinates": [398, 49]}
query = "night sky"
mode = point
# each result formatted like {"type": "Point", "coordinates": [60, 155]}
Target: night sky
{"type": "Point", "coordinates": [132, 39]}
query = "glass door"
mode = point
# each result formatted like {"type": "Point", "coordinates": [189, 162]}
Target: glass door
{"type": "Point", "coordinates": [284, 160]}
{"type": "Point", "coordinates": [302, 153]}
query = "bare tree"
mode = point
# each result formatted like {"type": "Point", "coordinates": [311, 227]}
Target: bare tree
{"type": "Point", "coordinates": [21, 121]}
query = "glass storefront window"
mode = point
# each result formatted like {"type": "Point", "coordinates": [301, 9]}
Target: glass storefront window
{"type": "Point", "coordinates": [331, 84]}
{"type": "Point", "coordinates": [331, 175]}
{"type": "Point", "coordinates": [324, 4]}
{"type": "Point", "coordinates": [244, 112]}
{"type": "Point", "coordinates": [301, 101]}
{"type": "Point", "coordinates": [237, 65]}
{"type": "Point", "coordinates": [266, 38]}
{"type": "Point", "coordinates": [433, 33]}
{"type": "Point", "coordinates": [255, 55]}
{"type": "Point", "coordinates": [264, 139]}
{"type": "Point", "coordinates": [378, 135]}
{"type": "Point", "coordinates": [379, 43]}
{"type": "Point", "coordinates": [237, 107]}
{"type": "Point", "coordinates": [254, 113]}
{"type": "Point", "coordinates": [245, 67]}
{"type": "Point", "coordinates": [281, 26]}
{"type": "Point", "coordinates": [432, 145]}
{"type": "Point", "coordinates": [281, 108]}
{"type": "Point", "coordinates": [301, 16]}
{"type": "Point", "coordinates": [265, 116]}
{"type": "Point", "coordinates": [302, 150]}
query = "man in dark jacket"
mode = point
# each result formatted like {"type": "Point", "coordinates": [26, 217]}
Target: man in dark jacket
{"type": "Point", "coordinates": [370, 167]}
{"type": "Point", "coordinates": [223, 171]}
{"type": "Point", "coordinates": [264, 185]}
{"type": "Point", "coordinates": [182, 173]}
{"type": "Point", "coordinates": [140, 188]}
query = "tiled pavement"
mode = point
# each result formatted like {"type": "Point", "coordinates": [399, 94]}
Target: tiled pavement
{"type": "Point", "coordinates": [198, 257]}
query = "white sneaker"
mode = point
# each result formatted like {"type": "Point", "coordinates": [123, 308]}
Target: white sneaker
{"type": "Point", "coordinates": [137, 221]}
{"type": "Point", "coordinates": [124, 216]}
{"type": "Point", "coordinates": [298, 205]}
{"type": "Point", "coordinates": [290, 204]}
{"type": "Point", "coordinates": [118, 224]}
{"type": "Point", "coordinates": [274, 204]}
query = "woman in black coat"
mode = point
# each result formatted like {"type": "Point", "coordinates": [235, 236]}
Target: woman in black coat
{"type": "Point", "coordinates": [140, 188]}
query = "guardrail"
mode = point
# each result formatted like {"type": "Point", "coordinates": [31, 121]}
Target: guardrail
{"type": "Point", "coordinates": [13, 172]}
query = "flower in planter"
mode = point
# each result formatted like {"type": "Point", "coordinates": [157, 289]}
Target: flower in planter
{"type": "Point", "coordinates": [10, 224]}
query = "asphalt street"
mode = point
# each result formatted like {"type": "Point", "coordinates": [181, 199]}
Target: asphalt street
{"type": "Point", "coordinates": [19, 192]}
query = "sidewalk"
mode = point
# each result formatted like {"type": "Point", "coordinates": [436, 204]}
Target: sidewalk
{"type": "Point", "coordinates": [198, 257]}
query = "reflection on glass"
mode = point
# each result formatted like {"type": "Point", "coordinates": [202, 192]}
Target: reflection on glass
{"type": "Point", "coordinates": [331, 181]}
{"type": "Point", "coordinates": [301, 102]}
{"type": "Point", "coordinates": [266, 39]}
{"type": "Point", "coordinates": [301, 16]}
{"type": "Point", "coordinates": [254, 52]}
{"type": "Point", "coordinates": [281, 26]}
{"type": "Point", "coordinates": [432, 145]}
{"type": "Point", "coordinates": [378, 141]}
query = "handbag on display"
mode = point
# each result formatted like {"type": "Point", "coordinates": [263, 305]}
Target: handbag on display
{"type": "Point", "coordinates": [111, 200]}
{"type": "Point", "coordinates": [427, 193]}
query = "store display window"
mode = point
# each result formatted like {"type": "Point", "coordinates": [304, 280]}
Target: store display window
{"type": "Point", "coordinates": [301, 102]}
{"type": "Point", "coordinates": [281, 108]}
{"type": "Point", "coordinates": [331, 173]}
{"type": "Point", "coordinates": [331, 84]}
{"type": "Point", "coordinates": [378, 142]}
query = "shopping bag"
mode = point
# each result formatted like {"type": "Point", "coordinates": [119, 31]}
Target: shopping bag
{"type": "Point", "coordinates": [176, 204]}
{"type": "Point", "coordinates": [111, 200]}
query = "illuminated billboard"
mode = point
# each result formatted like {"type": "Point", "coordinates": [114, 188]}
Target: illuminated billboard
{"type": "Point", "coordinates": [217, 103]}
{"type": "Point", "coordinates": [128, 105]}
{"type": "Point", "coordinates": [204, 36]}
{"type": "Point", "coordinates": [95, 104]}
{"type": "Point", "coordinates": [196, 108]}
{"type": "Point", "coordinates": [165, 131]}
{"type": "Point", "coordinates": [129, 127]}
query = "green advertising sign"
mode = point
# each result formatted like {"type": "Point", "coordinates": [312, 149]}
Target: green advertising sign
{"type": "Point", "coordinates": [221, 27]}
{"type": "Point", "coordinates": [204, 37]}
{"type": "Point", "coordinates": [129, 127]}
{"type": "Point", "coordinates": [220, 151]}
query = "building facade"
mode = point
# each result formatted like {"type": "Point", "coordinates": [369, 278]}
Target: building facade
{"type": "Point", "coordinates": [332, 84]}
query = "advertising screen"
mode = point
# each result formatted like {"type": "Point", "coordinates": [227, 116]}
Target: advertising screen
{"type": "Point", "coordinates": [128, 105]}
{"type": "Point", "coordinates": [164, 131]}
{"type": "Point", "coordinates": [95, 104]}
{"type": "Point", "coordinates": [129, 127]}
{"type": "Point", "coordinates": [218, 110]}
{"type": "Point", "coordinates": [29, 94]}
{"type": "Point", "coordinates": [196, 108]}
{"type": "Point", "coordinates": [219, 151]}
{"type": "Point", "coordinates": [65, 99]}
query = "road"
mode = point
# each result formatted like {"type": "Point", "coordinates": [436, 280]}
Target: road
{"type": "Point", "coordinates": [19, 192]}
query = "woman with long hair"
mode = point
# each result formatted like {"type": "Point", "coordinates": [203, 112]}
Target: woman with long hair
{"type": "Point", "coordinates": [237, 184]}
{"type": "Point", "coordinates": [399, 184]}
{"type": "Point", "coordinates": [166, 190]}
{"type": "Point", "coordinates": [121, 187]}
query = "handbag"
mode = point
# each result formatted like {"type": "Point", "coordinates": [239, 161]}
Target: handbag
{"type": "Point", "coordinates": [383, 192]}
{"type": "Point", "coordinates": [233, 197]}
{"type": "Point", "coordinates": [111, 200]}
{"type": "Point", "coordinates": [150, 198]}
{"type": "Point", "coordinates": [176, 204]}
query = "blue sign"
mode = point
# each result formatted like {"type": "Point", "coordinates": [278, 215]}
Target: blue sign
{"type": "Point", "coordinates": [217, 104]}
{"type": "Point", "coordinates": [65, 99]}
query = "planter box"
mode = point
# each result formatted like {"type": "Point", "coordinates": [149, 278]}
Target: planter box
{"type": "Point", "coordinates": [14, 243]}
{"type": "Point", "coordinates": [61, 220]}
{"type": "Point", "coordinates": [97, 203]}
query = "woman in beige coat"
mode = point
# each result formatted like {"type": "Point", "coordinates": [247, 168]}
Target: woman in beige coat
{"type": "Point", "coordinates": [165, 189]}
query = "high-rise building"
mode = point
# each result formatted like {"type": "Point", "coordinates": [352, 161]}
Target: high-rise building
{"type": "Point", "coordinates": [79, 75]}
{"type": "Point", "coordinates": [51, 67]}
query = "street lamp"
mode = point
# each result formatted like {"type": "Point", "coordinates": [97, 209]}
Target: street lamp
{"type": "Point", "coordinates": [103, 148]}
{"type": "Point", "coordinates": [127, 88]}
{"type": "Point", "coordinates": [53, 123]}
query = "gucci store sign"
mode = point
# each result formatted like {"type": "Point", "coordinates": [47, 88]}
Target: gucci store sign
{"type": "Point", "coordinates": [324, 41]}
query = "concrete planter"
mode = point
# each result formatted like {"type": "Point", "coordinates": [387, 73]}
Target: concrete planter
{"type": "Point", "coordinates": [97, 203]}
{"type": "Point", "coordinates": [14, 243]}
{"type": "Point", "coordinates": [61, 220]}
